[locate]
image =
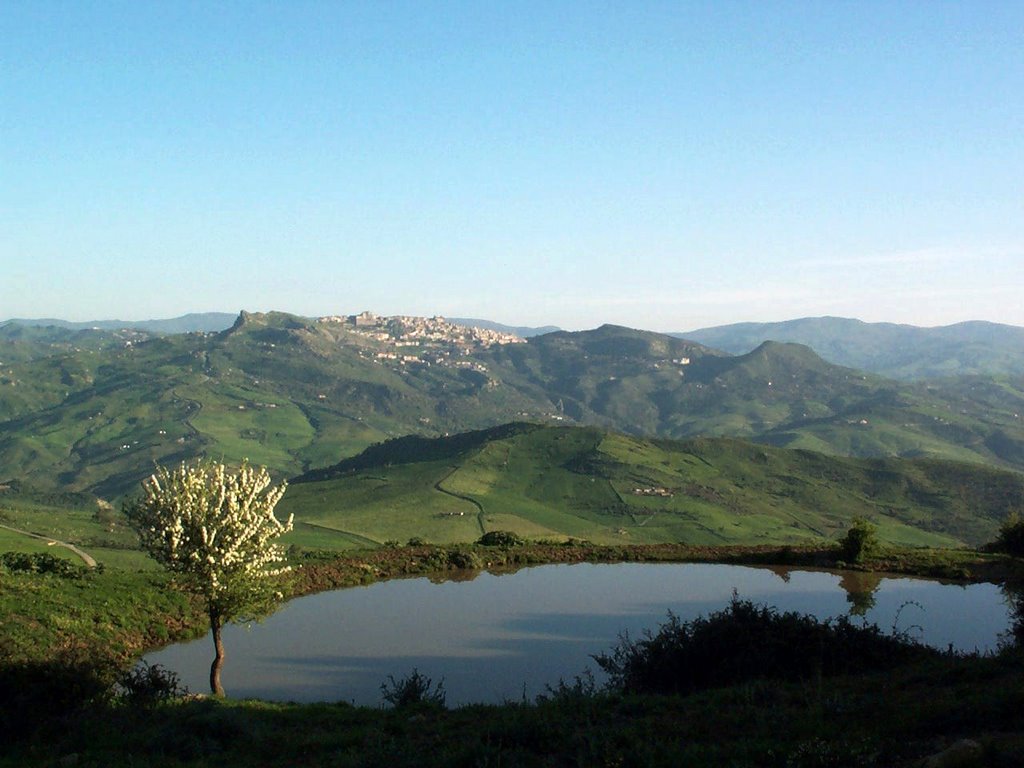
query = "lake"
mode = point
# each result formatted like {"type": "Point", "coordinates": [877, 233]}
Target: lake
{"type": "Point", "coordinates": [502, 636]}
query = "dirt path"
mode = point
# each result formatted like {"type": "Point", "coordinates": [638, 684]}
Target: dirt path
{"type": "Point", "coordinates": [86, 557]}
{"type": "Point", "coordinates": [474, 502]}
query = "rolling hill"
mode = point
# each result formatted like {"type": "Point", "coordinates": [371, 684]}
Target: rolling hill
{"type": "Point", "coordinates": [904, 352]}
{"type": "Point", "coordinates": [190, 323]}
{"type": "Point", "coordinates": [92, 410]}
{"type": "Point", "coordinates": [606, 487]}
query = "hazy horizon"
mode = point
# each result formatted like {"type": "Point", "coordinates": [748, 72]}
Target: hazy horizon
{"type": "Point", "coordinates": [510, 324]}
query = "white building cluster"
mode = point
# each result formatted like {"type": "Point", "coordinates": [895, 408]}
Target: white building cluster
{"type": "Point", "coordinates": [423, 332]}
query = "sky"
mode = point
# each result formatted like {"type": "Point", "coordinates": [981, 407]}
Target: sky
{"type": "Point", "coordinates": [665, 166]}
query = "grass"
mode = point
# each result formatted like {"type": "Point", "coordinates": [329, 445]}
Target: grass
{"type": "Point", "coordinates": [73, 518]}
{"type": "Point", "coordinates": [114, 613]}
{"type": "Point", "coordinates": [583, 483]}
{"type": "Point", "coordinates": [17, 542]}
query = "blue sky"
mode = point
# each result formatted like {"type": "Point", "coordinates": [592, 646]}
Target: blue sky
{"type": "Point", "coordinates": [659, 165]}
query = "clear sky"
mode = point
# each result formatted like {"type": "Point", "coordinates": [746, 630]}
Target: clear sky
{"type": "Point", "coordinates": [660, 165]}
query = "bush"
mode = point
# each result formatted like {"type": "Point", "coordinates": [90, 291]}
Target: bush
{"type": "Point", "coordinates": [860, 542]}
{"type": "Point", "coordinates": [500, 539]}
{"type": "Point", "coordinates": [747, 642]}
{"type": "Point", "coordinates": [148, 684]}
{"type": "Point", "coordinates": [447, 559]}
{"type": "Point", "coordinates": [463, 559]}
{"type": "Point", "coordinates": [41, 562]}
{"type": "Point", "coordinates": [582, 689]}
{"type": "Point", "coordinates": [413, 690]}
{"type": "Point", "coordinates": [1011, 536]}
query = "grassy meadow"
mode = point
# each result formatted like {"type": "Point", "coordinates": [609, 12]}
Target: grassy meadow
{"type": "Point", "coordinates": [608, 488]}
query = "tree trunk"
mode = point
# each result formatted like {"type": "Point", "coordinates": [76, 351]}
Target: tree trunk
{"type": "Point", "coordinates": [218, 659]}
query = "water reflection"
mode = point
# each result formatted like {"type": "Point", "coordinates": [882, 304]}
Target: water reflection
{"type": "Point", "coordinates": [1013, 596]}
{"type": "Point", "coordinates": [860, 590]}
{"type": "Point", "coordinates": [498, 637]}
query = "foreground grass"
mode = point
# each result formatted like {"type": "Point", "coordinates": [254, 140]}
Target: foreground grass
{"type": "Point", "coordinates": [870, 720]}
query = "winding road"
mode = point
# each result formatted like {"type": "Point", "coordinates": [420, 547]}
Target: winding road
{"type": "Point", "coordinates": [86, 557]}
{"type": "Point", "coordinates": [474, 502]}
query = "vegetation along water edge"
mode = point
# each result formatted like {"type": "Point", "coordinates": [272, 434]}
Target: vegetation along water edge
{"type": "Point", "coordinates": [69, 634]}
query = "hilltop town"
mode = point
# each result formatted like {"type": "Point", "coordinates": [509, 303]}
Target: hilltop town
{"type": "Point", "coordinates": [403, 339]}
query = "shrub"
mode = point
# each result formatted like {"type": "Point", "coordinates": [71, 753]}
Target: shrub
{"type": "Point", "coordinates": [580, 690]}
{"type": "Point", "coordinates": [500, 539]}
{"type": "Point", "coordinates": [1011, 536]}
{"type": "Point", "coordinates": [41, 562]}
{"type": "Point", "coordinates": [148, 684]}
{"type": "Point", "coordinates": [860, 542]}
{"type": "Point", "coordinates": [746, 642]}
{"type": "Point", "coordinates": [447, 559]}
{"type": "Point", "coordinates": [463, 559]}
{"type": "Point", "coordinates": [413, 690]}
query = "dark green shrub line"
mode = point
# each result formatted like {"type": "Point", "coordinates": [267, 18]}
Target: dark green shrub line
{"type": "Point", "coordinates": [41, 562]}
{"type": "Point", "coordinates": [746, 642]}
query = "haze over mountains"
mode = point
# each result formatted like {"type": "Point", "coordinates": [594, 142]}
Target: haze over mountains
{"type": "Point", "coordinates": [897, 351]}
{"type": "Point", "coordinates": [904, 352]}
{"type": "Point", "coordinates": [93, 409]}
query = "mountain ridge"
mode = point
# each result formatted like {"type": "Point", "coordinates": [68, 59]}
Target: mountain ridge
{"type": "Point", "coordinates": [92, 410]}
{"type": "Point", "coordinates": [903, 352]}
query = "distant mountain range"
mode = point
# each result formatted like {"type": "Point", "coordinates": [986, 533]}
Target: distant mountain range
{"type": "Point", "coordinates": [904, 352]}
{"type": "Point", "coordinates": [190, 323]}
{"type": "Point", "coordinates": [219, 321]}
{"type": "Point", "coordinates": [93, 409]}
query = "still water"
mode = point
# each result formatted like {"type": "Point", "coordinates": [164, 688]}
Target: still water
{"type": "Point", "coordinates": [500, 637]}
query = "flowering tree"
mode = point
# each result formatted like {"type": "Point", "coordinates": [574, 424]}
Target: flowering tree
{"type": "Point", "coordinates": [215, 528]}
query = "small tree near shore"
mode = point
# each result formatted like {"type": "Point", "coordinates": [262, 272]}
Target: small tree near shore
{"type": "Point", "coordinates": [860, 541]}
{"type": "Point", "coordinates": [214, 527]}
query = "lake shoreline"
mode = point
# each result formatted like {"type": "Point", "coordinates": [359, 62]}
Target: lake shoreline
{"type": "Point", "coordinates": [320, 571]}
{"type": "Point", "coordinates": [935, 703]}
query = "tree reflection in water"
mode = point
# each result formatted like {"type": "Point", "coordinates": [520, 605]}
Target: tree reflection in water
{"type": "Point", "coordinates": [860, 590]}
{"type": "Point", "coordinates": [1013, 637]}
{"type": "Point", "coordinates": [860, 587]}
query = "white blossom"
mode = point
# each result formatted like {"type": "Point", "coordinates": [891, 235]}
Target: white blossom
{"type": "Point", "coordinates": [215, 526]}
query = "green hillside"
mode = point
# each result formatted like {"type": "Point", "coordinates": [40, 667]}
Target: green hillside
{"type": "Point", "coordinates": [903, 352]}
{"type": "Point", "coordinates": [784, 394]}
{"type": "Point", "coordinates": [558, 482]}
{"type": "Point", "coordinates": [28, 513]}
{"type": "Point", "coordinates": [92, 410]}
